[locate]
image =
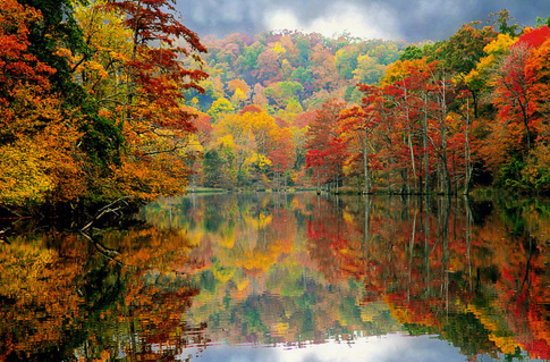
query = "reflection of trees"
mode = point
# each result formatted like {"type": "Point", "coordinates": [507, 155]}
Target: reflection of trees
{"type": "Point", "coordinates": [282, 269]}
{"type": "Point", "coordinates": [61, 299]}
{"type": "Point", "coordinates": [259, 282]}
{"type": "Point", "coordinates": [278, 267]}
{"type": "Point", "coordinates": [36, 305]}
{"type": "Point", "coordinates": [482, 287]}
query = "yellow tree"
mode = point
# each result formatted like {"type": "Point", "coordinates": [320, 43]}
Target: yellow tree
{"type": "Point", "coordinates": [102, 71]}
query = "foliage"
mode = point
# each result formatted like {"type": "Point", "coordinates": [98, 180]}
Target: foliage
{"type": "Point", "coordinates": [93, 102]}
{"type": "Point", "coordinates": [473, 104]}
{"type": "Point", "coordinates": [126, 84]}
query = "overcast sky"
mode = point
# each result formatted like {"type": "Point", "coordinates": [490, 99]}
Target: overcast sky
{"type": "Point", "coordinates": [410, 20]}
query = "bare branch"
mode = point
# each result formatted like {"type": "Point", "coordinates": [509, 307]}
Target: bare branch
{"type": "Point", "coordinates": [105, 210]}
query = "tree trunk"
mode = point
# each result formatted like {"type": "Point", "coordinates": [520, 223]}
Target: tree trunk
{"type": "Point", "coordinates": [411, 151]}
{"type": "Point", "coordinates": [318, 182]}
{"type": "Point", "coordinates": [425, 145]}
{"type": "Point", "coordinates": [443, 132]}
{"type": "Point", "coordinates": [366, 162]}
{"type": "Point", "coordinates": [467, 155]}
{"type": "Point", "coordinates": [526, 124]}
{"type": "Point", "coordinates": [409, 142]}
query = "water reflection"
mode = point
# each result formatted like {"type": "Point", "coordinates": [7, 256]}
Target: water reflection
{"type": "Point", "coordinates": [439, 278]}
{"type": "Point", "coordinates": [119, 295]}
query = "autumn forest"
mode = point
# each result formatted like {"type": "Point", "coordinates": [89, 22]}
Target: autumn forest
{"type": "Point", "coordinates": [273, 195]}
{"type": "Point", "coordinates": [110, 99]}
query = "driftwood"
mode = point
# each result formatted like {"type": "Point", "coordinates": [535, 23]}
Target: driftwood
{"type": "Point", "coordinates": [106, 210]}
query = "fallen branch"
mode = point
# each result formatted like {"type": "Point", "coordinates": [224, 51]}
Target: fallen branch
{"type": "Point", "coordinates": [105, 210]}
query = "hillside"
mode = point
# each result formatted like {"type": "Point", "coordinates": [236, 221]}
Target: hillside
{"type": "Point", "coordinates": [282, 78]}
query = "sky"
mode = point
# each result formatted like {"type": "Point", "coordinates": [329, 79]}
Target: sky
{"type": "Point", "coordinates": [409, 20]}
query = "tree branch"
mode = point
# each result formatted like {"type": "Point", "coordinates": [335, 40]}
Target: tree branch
{"type": "Point", "coordinates": [105, 210]}
{"type": "Point", "coordinates": [103, 250]}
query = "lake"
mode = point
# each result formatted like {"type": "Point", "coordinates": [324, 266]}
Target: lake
{"type": "Point", "coordinates": [284, 277]}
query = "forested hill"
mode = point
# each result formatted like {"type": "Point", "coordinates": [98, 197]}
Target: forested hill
{"type": "Point", "coordinates": [282, 78]}
{"type": "Point", "coordinates": [278, 70]}
{"type": "Point", "coordinates": [288, 108]}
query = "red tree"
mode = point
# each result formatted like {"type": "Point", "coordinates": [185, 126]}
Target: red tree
{"type": "Point", "coordinates": [158, 72]}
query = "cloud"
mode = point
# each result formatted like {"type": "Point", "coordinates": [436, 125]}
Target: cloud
{"type": "Point", "coordinates": [373, 21]}
{"type": "Point", "coordinates": [282, 19]}
{"type": "Point", "coordinates": [388, 348]}
{"type": "Point", "coordinates": [411, 20]}
{"type": "Point", "coordinates": [369, 22]}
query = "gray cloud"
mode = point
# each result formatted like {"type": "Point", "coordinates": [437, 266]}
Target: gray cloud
{"type": "Point", "coordinates": [411, 20]}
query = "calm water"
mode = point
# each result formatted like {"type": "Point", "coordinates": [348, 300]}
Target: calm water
{"type": "Point", "coordinates": [284, 278]}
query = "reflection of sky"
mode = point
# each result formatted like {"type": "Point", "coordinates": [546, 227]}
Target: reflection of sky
{"type": "Point", "coordinates": [388, 348]}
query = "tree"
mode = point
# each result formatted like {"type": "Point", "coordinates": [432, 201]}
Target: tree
{"type": "Point", "coordinates": [514, 85]}
{"type": "Point", "coordinates": [358, 123]}
{"type": "Point", "coordinates": [405, 80]}
{"type": "Point", "coordinates": [463, 51]}
{"type": "Point", "coordinates": [411, 52]}
{"type": "Point", "coordinates": [282, 155]}
{"type": "Point", "coordinates": [443, 93]}
{"type": "Point", "coordinates": [101, 71]}
{"type": "Point", "coordinates": [50, 37]}
{"type": "Point", "coordinates": [40, 160]}
{"type": "Point", "coordinates": [156, 123]}
{"type": "Point", "coordinates": [22, 74]}
{"type": "Point", "coordinates": [325, 149]}
{"type": "Point", "coordinates": [213, 169]}
{"type": "Point", "coordinates": [219, 107]}
{"type": "Point", "coordinates": [539, 65]}
{"type": "Point", "coordinates": [501, 19]}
